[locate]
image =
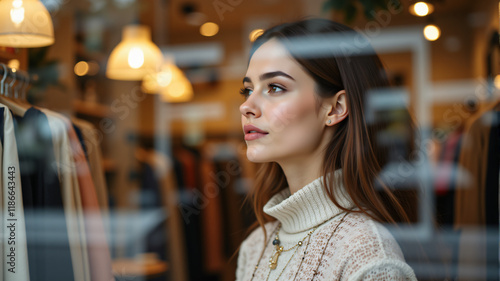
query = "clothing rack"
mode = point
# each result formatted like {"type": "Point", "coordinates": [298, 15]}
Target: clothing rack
{"type": "Point", "coordinates": [10, 76]}
{"type": "Point", "coordinates": [14, 73]}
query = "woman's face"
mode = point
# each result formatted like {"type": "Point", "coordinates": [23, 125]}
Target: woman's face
{"type": "Point", "coordinates": [280, 116]}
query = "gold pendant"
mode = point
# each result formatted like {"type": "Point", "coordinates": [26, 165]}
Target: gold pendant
{"type": "Point", "coordinates": [273, 261]}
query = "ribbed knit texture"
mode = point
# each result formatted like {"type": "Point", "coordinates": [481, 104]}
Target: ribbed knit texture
{"type": "Point", "coordinates": [308, 207]}
{"type": "Point", "coordinates": [359, 249]}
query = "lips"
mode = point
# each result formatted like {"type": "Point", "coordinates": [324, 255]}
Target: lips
{"type": "Point", "coordinates": [253, 133]}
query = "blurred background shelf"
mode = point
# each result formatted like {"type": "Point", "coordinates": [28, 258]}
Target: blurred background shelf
{"type": "Point", "coordinates": [91, 109]}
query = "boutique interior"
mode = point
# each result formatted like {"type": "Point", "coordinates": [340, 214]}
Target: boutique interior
{"type": "Point", "coordinates": [123, 153]}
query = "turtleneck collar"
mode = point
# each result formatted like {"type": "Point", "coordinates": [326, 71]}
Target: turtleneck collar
{"type": "Point", "coordinates": [308, 207]}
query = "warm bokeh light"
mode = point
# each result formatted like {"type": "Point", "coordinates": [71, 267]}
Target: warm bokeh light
{"type": "Point", "coordinates": [497, 81]}
{"type": "Point", "coordinates": [135, 58]}
{"type": "Point", "coordinates": [180, 90]}
{"type": "Point", "coordinates": [14, 64]}
{"type": "Point", "coordinates": [171, 83]}
{"type": "Point", "coordinates": [209, 29]}
{"type": "Point", "coordinates": [164, 78]}
{"type": "Point", "coordinates": [17, 12]}
{"type": "Point", "coordinates": [254, 34]}
{"type": "Point", "coordinates": [177, 89]}
{"type": "Point", "coordinates": [154, 83]}
{"type": "Point", "coordinates": [432, 32]}
{"type": "Point", "coordinates": [81, 68]}
{"type": "Point", "coordinates": [25, 24]}
{"type": "Point", "coordinates": [421, 9]}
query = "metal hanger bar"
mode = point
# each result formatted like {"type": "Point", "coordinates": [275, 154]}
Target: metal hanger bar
{"type": "Point", "coordinates": [20, 75]}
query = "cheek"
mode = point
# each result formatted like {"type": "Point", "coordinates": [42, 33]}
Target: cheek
{"type": "Point", "coordinates": [293, 116]}
{"type": "Point", "coordinates": [282, 116]}
{"type": "Point", "coordinates": [296, 124]}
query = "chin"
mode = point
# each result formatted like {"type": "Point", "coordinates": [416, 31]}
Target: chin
{"type": "Point", "coordinates": [255, 156]}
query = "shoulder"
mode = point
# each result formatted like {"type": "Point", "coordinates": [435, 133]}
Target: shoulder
{"type": "Point", "coordinates": [359, 247]}
{"type": "Point", "coordinates": [369, 236]}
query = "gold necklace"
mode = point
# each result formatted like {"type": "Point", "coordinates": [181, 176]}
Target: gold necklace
{"type": "Point", "coordinates": [273, 261]}
{"type": "Point", "coordinates": [305, 252]}
{"type": "Point", "coordinates": [296, 248]}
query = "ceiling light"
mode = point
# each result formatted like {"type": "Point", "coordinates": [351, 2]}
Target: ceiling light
{"type": "Point", "coordinates": [25, 24]}
{"type": "Point", "coordinates": [497, 81]}
{"type": "Point", "coordinates": [209, 29]}
{"type": "Point", "coordinates": [170, 83]}
{"type": "Point", "coordinates": [432, 32]}
{"type": "Point", "coordinates": [14, 64]}
{"type": "Point", "coordinates": [135, 56]}
{"type": "Point", "coordinates": [81, 68]}
{"type": "Point", "coordinates": [421, 9]}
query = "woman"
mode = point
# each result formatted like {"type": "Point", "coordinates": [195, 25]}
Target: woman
{"type": "Point", "coordinates": [317, 196]}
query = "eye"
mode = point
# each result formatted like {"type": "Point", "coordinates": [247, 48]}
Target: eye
{"type": "Point", "coordinates": [246, 92]}
{"type": "Point", "coordinates": [273, 88]}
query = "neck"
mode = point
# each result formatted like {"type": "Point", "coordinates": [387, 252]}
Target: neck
{"type": "Point", "coordinates": [301, 170]}
{"type": "Point", "coordinates": [300, 173]}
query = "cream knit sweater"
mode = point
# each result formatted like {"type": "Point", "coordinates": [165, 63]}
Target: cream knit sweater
{"type": "Point", "coordinates": [360, 249]}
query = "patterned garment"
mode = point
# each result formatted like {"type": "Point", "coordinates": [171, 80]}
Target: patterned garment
{"type": "Point", "coordinates": [353, 247]}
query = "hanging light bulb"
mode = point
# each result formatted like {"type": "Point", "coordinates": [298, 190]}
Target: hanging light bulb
{"type": "Point", "coordinates": [497, 81]}
{"type": "Point", "coordinates": [25, 24]}
{"type": "Point", "coordinates": [421, 9]}
{"type": "Point", "coordinates": [170, 82]}
{"type": "Point", "coordinates": [432, 32]}
{"type": "Point", "coordinates": [135, 56]}
{"type": "Point", "coordinates": [179, 90]}
{"type": "Point", "coordinates": [209, 29]}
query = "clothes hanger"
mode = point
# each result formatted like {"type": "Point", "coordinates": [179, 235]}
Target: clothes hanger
{"type": "Point", "coordinates": [20, 89]}
{"type": "Point", "coordinates": [8, 87]}
{"type": "Point", "coordinates": [19, 85]}
{"type": "Point", "coordinates": [16, 108]}
{"type": "Point", "coordinates": [2, 83]}
{"type": "Point", "coordinates": [25, 87]}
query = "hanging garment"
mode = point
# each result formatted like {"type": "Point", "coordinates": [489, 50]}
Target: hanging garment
{"type": "Point", "coordinates": [444, 182]}
{"type": "Point", "coordinates": [15, 253]}
{"type": "Point", "coordinates": [177, 251]}
{"type": "Point", "coordinates": [71, 196]}
{"type": "Point", "coordinates": [95, 158]}
{"type": "Point", "coordinates": [212, 223]}
{"type": "Point", "coordinates": [190, 204]}
{"type": "Point", "coordinates": [97, 245]}
{"type": "Point", "coordinates": [46, 227]}
{"type": "Point", "coordinates": [1, 190]}
{"type": "Point", "coordinates": [472, 199]}
{"type": "Point", "coordinates": [92, 145]}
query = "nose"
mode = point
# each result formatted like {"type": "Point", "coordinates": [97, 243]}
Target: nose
{"type": "Point", "coordinates": [249, 108]}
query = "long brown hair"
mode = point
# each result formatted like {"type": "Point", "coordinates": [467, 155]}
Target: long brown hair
{"type": "Point", "coordinates": [337, 58]}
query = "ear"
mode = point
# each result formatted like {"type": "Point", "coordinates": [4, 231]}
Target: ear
{"type": "Point", "coordinates": [336, 108]}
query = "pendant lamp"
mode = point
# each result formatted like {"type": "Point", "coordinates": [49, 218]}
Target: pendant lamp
{"type": "Point", "coordinates": [170, 83]}
{"type": "Point", "coordinates": [179, 90]}
{"type": "Point", "coordinates": [25, 24]}
{"type": "Point", "coordinates": [135, 56]}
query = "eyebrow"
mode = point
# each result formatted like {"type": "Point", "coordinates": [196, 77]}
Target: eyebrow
{"type": "Point", "coordinates": [269, 75]}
